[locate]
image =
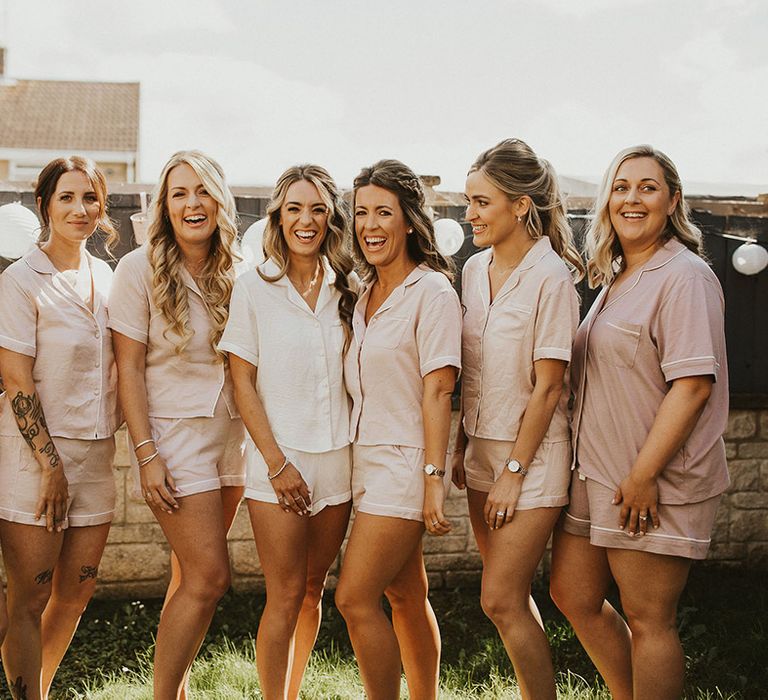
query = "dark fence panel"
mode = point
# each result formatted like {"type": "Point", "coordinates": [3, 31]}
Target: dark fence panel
{"type": "Point", "coordinates": [746, 315]}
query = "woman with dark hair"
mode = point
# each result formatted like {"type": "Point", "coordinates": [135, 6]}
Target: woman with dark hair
{"type": "Point", "coordinates": [289, 325]}
{"type": "Point", "coordinates": [57, 491]}
{"type": "Point", "coordinates": [651, 384]}
{"type": "Point", "coordinates": [513, 446]}
{"type": "Point", "coordinates": [400, 371]}
{"type": "Point", "coordinates": [169, 306]}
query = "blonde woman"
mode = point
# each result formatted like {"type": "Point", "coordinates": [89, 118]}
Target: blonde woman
{"type": "Point", "coordinates": [651, 384]}
{"type": "Point", "coordinates": [289, 324]}
{"type": "Point", "coordinates": [513, 450]}
{"type": "Point", "coordinates": [400, 370]}
{"type": "Point", "coordinates": [170, 303]}
{"type": "Point", "coordinates": [57, 424]}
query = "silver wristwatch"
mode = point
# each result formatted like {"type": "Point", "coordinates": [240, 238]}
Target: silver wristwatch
{"type": "Point", "coordinates": [515, 467]}
{"type": "Point", "coordinates": [432, 470]}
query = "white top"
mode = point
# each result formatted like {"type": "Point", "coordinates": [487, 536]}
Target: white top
{"type": "Point", "coordinates": [298, 353]}
{"type": "Point", "coordinates": [43, 316]}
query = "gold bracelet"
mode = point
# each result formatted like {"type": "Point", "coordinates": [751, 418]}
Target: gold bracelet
{"type": "Point", "coordinates": [147, 460]}
{"type": "Point", "coordinates": [279, 471]}
{"type": "Point", "coordinates": [142, 443]}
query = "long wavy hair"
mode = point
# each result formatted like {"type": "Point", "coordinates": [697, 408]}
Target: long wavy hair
{"type": "Point", "coordinates": [516, 170]}
{"type": "Point", "coordinates": [166, 258]}
{"type": "Point", "coordinates": [334, 247]}
{"type": "Point", "coordinates": [399, 179]}
{"type": "Point", "coordinates": [604, 254]}
{"type": "Point", "coordinates": [45, 188]}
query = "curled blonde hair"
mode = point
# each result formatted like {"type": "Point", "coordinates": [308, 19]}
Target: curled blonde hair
{"type": "Point", "coordinates": [335, 246]}
{"type": "Point", "coordinates": [603, 248]}
{"type": "Point", "coordinates": [516, 170]}
{"type": "Point", "coordinates": [399, 179]}
{"type": "Point", "coordinates": [217, 276]}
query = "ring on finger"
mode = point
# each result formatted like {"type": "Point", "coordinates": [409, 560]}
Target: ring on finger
{"type": "Point", "coordinates": [501, 513]}
{"type": "Point", "coordinates": [643, 518]}
{"type": "Point", "coordinates": [435, 523]}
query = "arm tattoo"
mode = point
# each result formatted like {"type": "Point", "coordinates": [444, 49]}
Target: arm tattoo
{"type": "Point", "coordinates": [29, 417]}
{"type": "Point", "coordinates": [44, 577]}
{"type": "Point", "coordinates": [18, 689]}
{"type": "Point", "coordinates": [87, 572]}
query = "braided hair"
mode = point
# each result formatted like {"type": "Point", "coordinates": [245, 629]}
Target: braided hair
{"type": "Point", "coordinates": [399, 179]}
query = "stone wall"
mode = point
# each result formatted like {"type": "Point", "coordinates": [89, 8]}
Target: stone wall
{"type": "Point", "coordinates": [740, 537]}
{"type": "Point", "coordinates": [136, 559]}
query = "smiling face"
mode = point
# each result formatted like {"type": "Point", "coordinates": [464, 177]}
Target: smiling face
{"type": "Point", "coordinates": [640, 204]}
{"type": "Point", "coordinates": [491, 212]}
{"type": "Point", "coordinates": [191, 210]}
{"type": "Point", "coordinates": [74, 208]}
{"type": "Point", "coordinates": [303, 219]}
{"type": "Point", "coordinates": [380, 226]}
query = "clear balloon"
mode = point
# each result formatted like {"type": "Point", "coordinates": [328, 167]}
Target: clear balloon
{"type": "Point", "coordinates": [251, 244]}
{"type": "Point", "coordinates": [750, 258]}
{"type": "Point", "coordinates": [18, 230]}
{"type": "Point", "coordinates": [449, 236]}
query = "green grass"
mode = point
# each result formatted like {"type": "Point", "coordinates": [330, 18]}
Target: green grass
{"type": "Point", "coordinates": [723, 621]}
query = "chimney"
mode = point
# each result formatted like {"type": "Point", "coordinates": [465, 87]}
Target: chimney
{"type": "Point", "coordinates": [2, 61]}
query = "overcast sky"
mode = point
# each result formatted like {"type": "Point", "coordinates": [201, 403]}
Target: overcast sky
{"type": "Point", "coordinates": [261, 85]}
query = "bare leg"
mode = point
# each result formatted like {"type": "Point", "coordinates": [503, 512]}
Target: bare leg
{"type": "Point", "coordinates": [30, 554]}
{"type": "Point", "coordinates": [197, 535]}
{"type": "Point", "coordinates": [512, 554]}
{"type": "Point", "coordinates": [326, 533]}
{"type": "Point", "coordinates": [476, 503]}
{"type": "Point", "coordinates": [650, 586]}
{"type": "Point", "coordinates": [416, 627]}
{"type": "Point", "coordinates": [378, 549]}
{"type": "Point", "coordinates": [282, 542]}
{"type": "Point", "coordinates": [230, 500]}
{"type": "Point", "coordinates": [579, 582]}
{"type": "Point", "coordinates": [74, 581]}
{"type": "Point", "coordinates": [3, 616]}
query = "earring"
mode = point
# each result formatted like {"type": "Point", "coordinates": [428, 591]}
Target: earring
{"type": "Point", "coordinates": [410, 230]}
{"type": "Point", "coordinates": [519, 219]}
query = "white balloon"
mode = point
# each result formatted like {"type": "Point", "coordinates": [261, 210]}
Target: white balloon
{"type": "Point", "coordinates": [251, 244]}
{"type": "Point", "coordinates": [449, 236]}
{"type": "Point", "coordinates": [18, 230]}
{"type": "Point", "coordinates": [750, 258]}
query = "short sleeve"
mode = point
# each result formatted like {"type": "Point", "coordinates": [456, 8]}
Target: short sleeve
{"type": "Point", "coordinates": [438, 333]}
{"type": "Point", "coordinates": [557, 318]}
{"type": "Point", "coordinates": [241, 334]}
{"type": "Point", "coordinates": [128, 306]}
{"type": "Point", "coordinates": [689, 329]}
{"type": "Point", "coordinates": [18, 317]}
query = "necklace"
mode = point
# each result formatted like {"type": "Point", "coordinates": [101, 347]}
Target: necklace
{"type": "Point", "coordinates": [311, 284]}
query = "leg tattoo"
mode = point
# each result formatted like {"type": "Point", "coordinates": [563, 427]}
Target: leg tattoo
{"type": "Point", "coordinates": [19, 690]}
{"type": "Point", "coordinates": [44, 576]}
{"type": "Point", "coordinates": [87, 572]}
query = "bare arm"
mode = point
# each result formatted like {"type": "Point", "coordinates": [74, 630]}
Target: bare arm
{"type": "Point", "coordinates": [459, 448]}
{"type": "Point", "coordinates": [436, 414]}
{"type": "Point", "coordinates": [547, 390]}
{"type": "Point", "coordinates": [156, 481]}
{"type": "Point", "coordinates": [16, 369]}
{"type": "Point", "coordinates": [677, 416]}
{"type": "Point", "coordinates": [291, 489]}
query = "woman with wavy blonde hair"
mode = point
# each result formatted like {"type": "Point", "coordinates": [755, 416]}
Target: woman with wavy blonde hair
{"type": "Point", "coordinates": [288, 328]}
{"type": "Point", "coordinates": [513, 450]}
{"type": "Point", "coordinates": [169, 306]}
{"type": "Point", "coordinates": [650, 380]}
